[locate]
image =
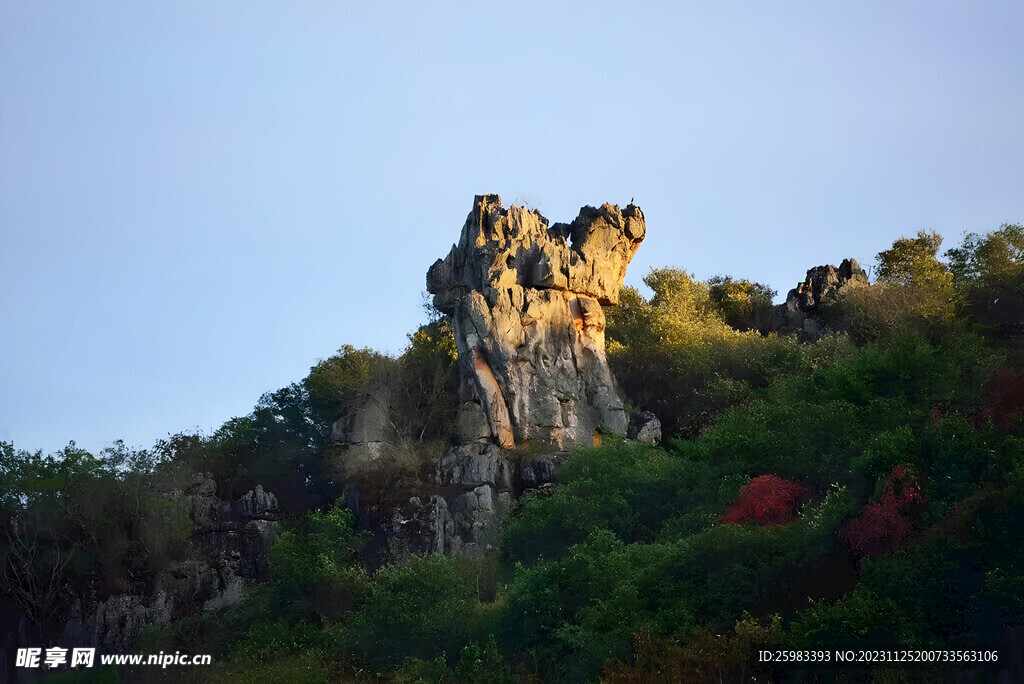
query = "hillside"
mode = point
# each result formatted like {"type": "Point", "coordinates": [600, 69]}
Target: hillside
{"type": "Point", "coordinates": [562, 479]}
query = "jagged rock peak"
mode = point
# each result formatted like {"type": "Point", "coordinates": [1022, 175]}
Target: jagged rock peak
{"type": "Point", "coordinates": [824, 283]}
{"type": "Point", "coordinates": [805, 303]}
{"type": "Point", "coordinates": [525, 298]}
{"type": "Point", "coordinates": [502, 247]}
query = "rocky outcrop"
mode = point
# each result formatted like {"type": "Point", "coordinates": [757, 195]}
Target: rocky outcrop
{"type": "Point", "coordinates": [455, 505]}
{"type": "Point", "coordinates": [365, 431]}
{"type": "Point", "coordinates": [525, 298]}
{"type": "Point", "coordinates": [644, 426]}
{"type": "Point", "coordinates": [234, 537]}
{"type": "Point", "coordinates": [473, 464]}
{"type": "Point", "coordinates": [467, 523]}
{"type": "Point", "coordinates": [822, 286]}
{"type": "Point", "coordinates": [231, 543]}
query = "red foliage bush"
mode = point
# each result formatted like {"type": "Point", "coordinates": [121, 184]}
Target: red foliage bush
{"type": "Point", "coordinates": [885, 526]}
{"type": "Point", "coordinates": [879, 529]}
{"type": "Point", "coordinates": [765, 500]}
{"type": "Point", "coordinates": [901, 490]}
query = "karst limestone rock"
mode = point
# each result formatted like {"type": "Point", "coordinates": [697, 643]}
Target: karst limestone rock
{"type": "Point", "coordinates": [821, 286]}
{"type": "Point", "coordinates": [230, 541]}
{"type": "Point", "coordinates": [824, 283]}
{"type": "Point", "coordinates": [644, 426]}
{"type": "Point", "coordinates": [525, 298]}
{"type": "Point", "coordinates": [365, 431]}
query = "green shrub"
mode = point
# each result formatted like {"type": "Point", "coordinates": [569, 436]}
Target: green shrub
{"type": "Point", "coordinates": [743, 304]}
{"type": "Point", "coordinates": [627, 488]}
{"type": "Point", "coordinates": [676, 356]}
{"type": "Point", "coordinates": [314, 574]}
{"type": "Point", "coordinates": [423, 609]}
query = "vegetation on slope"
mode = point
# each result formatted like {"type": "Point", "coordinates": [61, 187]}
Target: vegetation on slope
{"type": "Point", "coordinates": [863, 490]}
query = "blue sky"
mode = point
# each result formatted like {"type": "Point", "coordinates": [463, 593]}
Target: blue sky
{"type": "Point", "coordinates": [199, 200]}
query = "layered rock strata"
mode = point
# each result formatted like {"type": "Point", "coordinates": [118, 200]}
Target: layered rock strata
{"type": "Point", "coordinates": [525, 298]}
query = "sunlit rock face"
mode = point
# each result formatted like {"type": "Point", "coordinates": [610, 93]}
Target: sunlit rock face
{"type": "Point", "coordinates": [525, 298]}
{"type": "Point", "coordinates": [824, 284]}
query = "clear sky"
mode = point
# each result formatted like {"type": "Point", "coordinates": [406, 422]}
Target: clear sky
{"type": "Point", "coordinates": [199, 199]}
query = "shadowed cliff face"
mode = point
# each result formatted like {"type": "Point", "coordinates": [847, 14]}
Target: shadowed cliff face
{"type": "Point", "coordinates": [823, 286]}
{"type": "Point", "coordinates": [525, 298]}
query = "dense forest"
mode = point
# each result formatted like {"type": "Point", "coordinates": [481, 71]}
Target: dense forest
{"type": "Point", "coordinates": [862, 489]}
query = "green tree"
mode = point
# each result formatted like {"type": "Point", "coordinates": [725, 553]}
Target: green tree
{"type": "Point", "coordinates": [334, 383]}
{"type": "Point", "coordinates": [426, 608]}
{"type": "Point", "coordinates": [74, 522]}
{"type": "Point", "coordinates": [992, 259]}
{"type": "Point", "coordinates": [289, 439]}
{"type": "Point", "coordinates": [989, 271]}
{"type": "Point", "coordinates": [425, 385]}
{"type": "Point", "coordinates": [315, 575]}
{"type": "Point", "coordinates": [744, 305]}
{"type": "Point", "coordinates": [916, 282]}
{"type": "Point", "coordinates": [675, 355]}
{"type": "Point", "coordinates": [913, 261]}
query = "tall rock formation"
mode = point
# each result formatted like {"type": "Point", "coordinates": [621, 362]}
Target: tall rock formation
{"type": "Point", "coordinates": [525, 298]}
